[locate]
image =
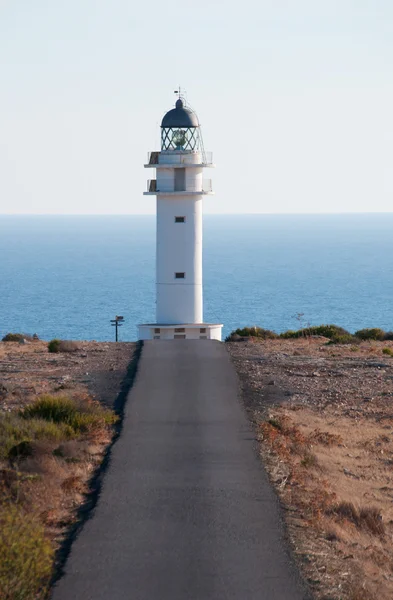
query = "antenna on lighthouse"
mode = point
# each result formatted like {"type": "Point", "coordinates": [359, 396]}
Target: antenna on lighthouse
{"type": "Point", "coordinates": [181, 94]}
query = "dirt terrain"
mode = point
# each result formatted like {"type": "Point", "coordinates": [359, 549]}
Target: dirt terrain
{"type": "Point", "coordinates": [29, 370]}
{"type": "Point", "coordinates": [46, 478]}
{"type": "Point", "coordinates": [324, 421]}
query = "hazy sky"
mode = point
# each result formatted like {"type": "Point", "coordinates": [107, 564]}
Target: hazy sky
{"type": "Point", "coordinates": [295, 98]}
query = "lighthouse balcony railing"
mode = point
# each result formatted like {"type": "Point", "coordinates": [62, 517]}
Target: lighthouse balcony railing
{"type": "Point", "coordinates": [179, 158]}
{"type": "Point", "coordinates": [206, 188]}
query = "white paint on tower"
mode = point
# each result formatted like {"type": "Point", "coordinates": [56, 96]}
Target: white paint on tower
{"type": "Point", "coordinates": [179, 187]}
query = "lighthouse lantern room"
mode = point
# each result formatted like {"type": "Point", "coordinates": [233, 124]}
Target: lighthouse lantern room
{"type": "Point", "coordinates": [179, 187]}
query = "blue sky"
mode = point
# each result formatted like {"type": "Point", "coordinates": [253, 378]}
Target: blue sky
{"type": "Point", "coordinates": [295, 99]}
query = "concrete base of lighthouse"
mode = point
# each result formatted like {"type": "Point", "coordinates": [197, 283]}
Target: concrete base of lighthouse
{"type": "Point", "coordinates": [176, 331]}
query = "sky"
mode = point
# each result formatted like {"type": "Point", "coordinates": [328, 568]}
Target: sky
{"type": "Point", "coordinates": [295, 100]}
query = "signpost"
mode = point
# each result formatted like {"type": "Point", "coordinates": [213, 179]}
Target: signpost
{"type": "Point", "coordinates": [117, 322]}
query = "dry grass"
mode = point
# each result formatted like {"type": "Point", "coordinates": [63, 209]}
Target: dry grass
{"type": "Point", "coordinates": [80, 415]}
{"type": "Point", "coordinates": [368, 518]}
{"type": "Point", "coordinates": [26, 554]}
{"type": "Point", "coordinates": [328, 447]}
{"type": "Point", "coordinates": [307, 465]}
{"type": "Point", "coordinates": [47, 463]}
{"type": "Point", "coordinates": [17, 433]}
{"type": "Point", "coordinates": [55, 346]}
{"type": "Point", "coordinates": [53, 435]}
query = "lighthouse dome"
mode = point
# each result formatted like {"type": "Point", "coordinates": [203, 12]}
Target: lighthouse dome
{"type": "Point", "coordinates": [180, 117]}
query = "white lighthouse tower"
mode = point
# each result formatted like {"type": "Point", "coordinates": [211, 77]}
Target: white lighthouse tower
{"type": "Point", "coordinates": [179, 187]}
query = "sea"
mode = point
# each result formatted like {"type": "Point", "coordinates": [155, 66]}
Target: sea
{"type": "Point", "coordinates": [68, 276]}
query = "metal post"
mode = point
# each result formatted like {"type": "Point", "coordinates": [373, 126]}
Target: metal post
{"type": "Point", "coordinates": [117, 322]}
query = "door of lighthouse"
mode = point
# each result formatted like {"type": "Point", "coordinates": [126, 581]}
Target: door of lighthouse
{"type": "Point", "coordinates": [180, 180]}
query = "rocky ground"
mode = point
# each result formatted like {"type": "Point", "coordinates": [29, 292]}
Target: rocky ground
{"type": "Point", "coordinates": [324, 421]}
{"type": "Point", "coordinates": [28, 370]}
{"type": "Point", "coordinates": [53, 479]}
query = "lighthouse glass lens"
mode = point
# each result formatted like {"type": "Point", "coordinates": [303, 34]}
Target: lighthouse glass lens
{"type": "Point", "coordinates": [179, 138]}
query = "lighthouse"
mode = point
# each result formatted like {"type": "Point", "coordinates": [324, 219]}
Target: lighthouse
{"type": "Point", "coordinates": [179, 188]}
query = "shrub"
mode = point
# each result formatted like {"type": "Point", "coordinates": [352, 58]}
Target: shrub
{"type": "Point", "coordinates": [26, 555]}
{"type": "Point", "coordinates": [370, 518]}
{"type": "Point", "coordinates": [68, 346]}
{"type": "Point", "coordinates": [336, 334]}
{"type": "Point", "coordinates": [388, 335]}
{"type": "Point", "coordinates": [80, 416]}
{"type": "Point", "coordinates": [17, 337]}
{"type": "Point", "coordinates": [53, 346]}
{"type": "Point", "coordinates": [387, 351]}
{"type": "Point", "coordinates": [290, 334]}
{"type": "Point", "coordinates": [343, 339]}
{"type": "Point", "coordinates": [49, 419]}
{"type": "Point", "coordinates": [16, 432]}
{"type": "Point", "coordinates": [373, 333]}
{"type": "Point", "coordinates": [56, 345]}
{"type": "Point", "coordinates": [258, 332]}
{"type": "Point", "coordinates": [275, 423]}
{"type": "Point", "coordinates": [309, 460]}
{"type": "Point", "coordinates": [367, 518]}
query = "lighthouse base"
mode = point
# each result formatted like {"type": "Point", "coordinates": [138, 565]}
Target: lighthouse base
{"type": "Point", "coordinates": [179, 331]}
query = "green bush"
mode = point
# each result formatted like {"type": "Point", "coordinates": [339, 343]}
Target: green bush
{"type": "Point", "coordinates": [54, 346]}
{"type": "Point", "coordinates": [16, 430]}
{"type": "Point", "coordinates": [343, 339]}
{"type": "Point", "coordinates": [80, 416]}
{"type": "Point", "coordinates": [16, 337]}
{"type": "Point", "coordinates": [387, 351]}
{"type": "Point", "coordinates": [26, 555]}
{"type": "Point", "coordinates": [336, 334]}
{"type": "Point", "coordinates": [258, 332]}
{"type": "Point", "coordinates": [49, 419]}
{"type": "Point", "coordinates": [373, 333]}
{"type": "Point", "coordinates": [291, 334]}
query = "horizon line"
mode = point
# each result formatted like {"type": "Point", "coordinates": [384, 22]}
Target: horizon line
{"type": "Point", "coordinates": [205, 214]}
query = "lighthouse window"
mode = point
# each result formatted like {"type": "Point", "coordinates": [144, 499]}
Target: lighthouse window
{"type": "Point", "coordinates": [179, 330]}
{"type": "Point", "coordinates": [180, 219]}
{"type": "Point", "coordinates": [180, 275]}
{"type": "Point", "coordinates": [157, 330]}
{"type": "Point", "coordinates": [202, 330]}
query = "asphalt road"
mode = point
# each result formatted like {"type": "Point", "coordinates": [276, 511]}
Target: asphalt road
{"type": "Point", "coordinates": [186, 511]}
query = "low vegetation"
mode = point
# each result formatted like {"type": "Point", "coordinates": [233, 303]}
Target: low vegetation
{"type": "Point", "coordinates": [49, 418]}
{"type": "Point", "coordinates": [373, 333]}
{"type": "Point", "coordinates": [335, 334]}
{"type": "Point", "coordinates": [258, 332]}
{"type": "Point", "coordinates": [26, 554]}
{"type": "Point", "coordinates": [367, 518]}
{"type": "Point", "coordinates": [55, 346]}
{"type": "Point", "coordinates": [17, 433]}
{"type": "Point", "coordinates": [44, 464]}
{"type": "Point", "coordinates": [80, 416]}
{"type": "Point", "coordinates": [302, 482]}
{"type": "Point", "coordinates": [19, 337]}
{"type": "Point", "coordinates": [324, 422]}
